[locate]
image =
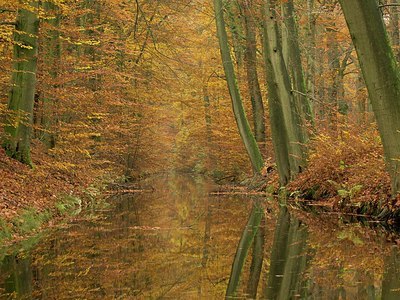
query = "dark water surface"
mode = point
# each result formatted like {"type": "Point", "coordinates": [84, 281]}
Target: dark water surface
{"type": "Point", "coordinates": [179, 242]}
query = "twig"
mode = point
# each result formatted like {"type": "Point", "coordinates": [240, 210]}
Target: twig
{"type": "Point", "coordinates": [8, 23]}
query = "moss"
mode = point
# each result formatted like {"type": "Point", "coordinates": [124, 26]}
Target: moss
{"type": "Point", "coordinates": [30, 220]}
{"type": "Point", "coordinates": [5, 230]}
{"type": "Point", "coordinates": [69, 205]}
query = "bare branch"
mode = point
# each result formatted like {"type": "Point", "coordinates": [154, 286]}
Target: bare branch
{"type": "Point", "coordinates": [3, 10]}
{"type": "Point", "coordinates": [386, 5]}
{"type": "Point", "coordinates": [8, 23]}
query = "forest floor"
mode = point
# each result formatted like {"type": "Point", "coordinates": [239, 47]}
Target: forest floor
{"type": "Point", "coordinates": [29, 196]}
{"type": "Point", "coordinates": [345, 174]}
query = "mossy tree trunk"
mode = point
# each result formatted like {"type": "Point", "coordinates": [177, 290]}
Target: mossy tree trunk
{"type": "Point", "coordinates": [238, 110]}
{"type": "Point", "coordinates": [381, 75]}
{"type": "Point", "coordinates": [235, 28]}
{"type": "Point", "coordinates": [21, 99]}
{"type": "Point", "coordinates": [391, 276]}
{"type": "Point", "coordinates": [286, 125]}
{"type": "Point", "coordinates": [246, 240]}
{"type": "Point", "coordinates": [311, 53]}
{"type": "Point", "coordinates": [252, 74]}
{"type": "Point", "coordinates": [394, 27]}
{"type": "Point", "coordinates": [53, 56]}
{"type": "Point", "coordinates": [295, 65]}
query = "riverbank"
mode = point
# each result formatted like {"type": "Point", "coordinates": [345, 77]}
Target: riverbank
{"type": "Point", "coordinates": [34, 198]}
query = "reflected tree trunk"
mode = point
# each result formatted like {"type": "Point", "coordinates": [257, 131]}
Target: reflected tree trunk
{"type": "Point", "coordinates": [391, 276]}
{"type": "Point", "coordinates": [288, 259]}
{"type": "Point", "coordinates": [244, 245]}
{"type": "Point", "coordinates": [278, 255]}
{"type": "Point", "coordinates": [257, 261]}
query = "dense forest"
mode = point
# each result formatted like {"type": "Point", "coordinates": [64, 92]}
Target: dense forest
{"type": "Point", "coordinates": [142, 132]}
{"type": "Point", "coordinates": [294, 96]}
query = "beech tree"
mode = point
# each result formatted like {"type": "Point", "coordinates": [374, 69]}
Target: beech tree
{"type": "Point", "coordinates": [253, 83]}
{"type": "Point", "coordinates": [381, 75]}
{"type": "Point", "coordinates": [286, 125]}
{"type": "Point", "coordinates": [21, 98]}
{"type": "Point", "coordinates": [238, 110]}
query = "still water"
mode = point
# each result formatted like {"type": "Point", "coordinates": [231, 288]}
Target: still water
{"type": "Point", "coordinates": [180, 242]}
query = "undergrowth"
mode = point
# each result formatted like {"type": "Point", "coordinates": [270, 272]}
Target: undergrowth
{"type": "Point", "coordinates": [350, 166]}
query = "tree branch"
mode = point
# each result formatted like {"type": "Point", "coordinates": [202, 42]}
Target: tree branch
{"type": "Point", "coordinates": [386, 5]}
{"type": "Point", "coordinates": [5, 10]}
{"type": "Point", "coordinates": [8, 23]}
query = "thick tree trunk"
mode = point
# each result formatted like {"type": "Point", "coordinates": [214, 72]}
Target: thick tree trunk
{"type": "Point", "coordinates": [285, 120]}
{"type": "Point", "coordinates": [279, 251]}
{"type": "Point", "coordinates": [252, 74]}
{"type": "Point", "coordinates": [295, 65]}
{"type": "Point", "coordinates": [21, 99]}
{"type": "Point", "coordinates": [381, 75]}
{"type": "Point", "coordinates": [238, 110]}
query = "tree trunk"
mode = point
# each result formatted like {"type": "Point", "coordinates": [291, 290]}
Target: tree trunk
{"type": "Point", "coordinates": [238, 110]}
{"type": "Point", "coordinates": [394, 28]}
{"type": "Point", "coordinates": [244, 245]}
{"type": "Point", "coordinates": [311, 53]}
{"type": "Point", "coordinates": [52, 45]}
{"type": "Point", "coordinates": [381, 75]}
{"type": "Point", "coordinates": [252, 74]}
{"type": "Point", "coordinates": [279, 251]}
{"type": "Point", "coordinates": [256, 261]}
{"type": "Point", "coordinates": [295, 65]}
{"type": "Point", "coordinates": [21, 99]}
{"type": "Point", "coordinates": [235, 30]}
{"type": "Point", "coordinates": [285, 120]}
{"type": "Point", "coordinates": [391, 276]}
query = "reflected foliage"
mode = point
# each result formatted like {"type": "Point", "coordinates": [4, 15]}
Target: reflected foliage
{"type": "Point", "coordinates": [180, 242]}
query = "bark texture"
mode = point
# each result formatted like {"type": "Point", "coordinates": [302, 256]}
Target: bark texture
{"type": "Point", "coordinates": [381, 75]}
{"type": "Point", "coordinates": [238, 110]}
{"type": "Point", "coordinates": [21, 99]}
{"type": "Point", "coordinates": [287, 135]}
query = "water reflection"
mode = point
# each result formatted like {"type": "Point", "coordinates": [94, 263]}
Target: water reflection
{"type": "Point", "coordinates": [181, 243]}
{"type": "Point", "coordinates": [291, 271]}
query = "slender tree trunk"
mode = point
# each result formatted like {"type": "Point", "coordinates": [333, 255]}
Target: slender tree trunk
{"type": "Point", "coordinates": [244, 245]}
{"type": "Point", "coordinates": [256, 261]}
{"type": "Point", "coordinates": [238, 110]}
{"type": "Point", "coordinates": [282, 103]}
{"type": "Point", "coordinates": [235, 29]}
{"type": "Point", "coordinates": [21, 99]}
{"type": "Point", "coordinates": [381, 75]}
{"type": "Point", "coordinates": [394, 28]}
{"type": "Point", "coordinates": [333, 67]}
{"type": "Point", "coordinates": [252, 74]}
{"type": "Point", "coordinates": [53, 56]}
{"type": "Point", "coordinates": [311, 53]}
